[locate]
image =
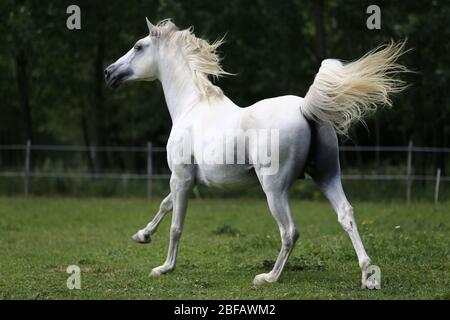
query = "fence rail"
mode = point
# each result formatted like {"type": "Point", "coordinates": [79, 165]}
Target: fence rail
{"type": "Point", "coordinates": [163, 149]}
{"type": "Point", "coordinates": [149, 176]}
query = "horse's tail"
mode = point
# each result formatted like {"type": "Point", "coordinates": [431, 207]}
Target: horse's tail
{"type": "Point", "coordinates": [342, 93]}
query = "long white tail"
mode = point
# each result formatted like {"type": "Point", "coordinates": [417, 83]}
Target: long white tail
{"type": "Point", "coordinates": [342, 93]}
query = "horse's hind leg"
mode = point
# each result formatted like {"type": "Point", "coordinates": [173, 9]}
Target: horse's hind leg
{"type": "Point", "coordinates": [334, 192]}
{"type": "Point", "coordinates": [276, 187]}
{"type": "Point", "coordinates": [144, 235]}
{"type": "Point", "coordinates": [327, 174]}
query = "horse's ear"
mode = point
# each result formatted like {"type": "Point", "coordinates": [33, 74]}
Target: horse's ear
{"type": "Point", "coordinates": [150, 26]}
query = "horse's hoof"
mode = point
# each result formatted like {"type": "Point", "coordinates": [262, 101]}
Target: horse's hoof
{"type": "Point", "coordinates": [142, 237]}
{"type": "Point", "coordinates": [370, 280]}
{"type": "Point", "coordinates": [159, 271]}
{"type": "Point", "coordinates": [373, 285]}
{"type": "Point", "coordinates": [262, 278]}
{"type": "Point", "coordinates": [155, 273]}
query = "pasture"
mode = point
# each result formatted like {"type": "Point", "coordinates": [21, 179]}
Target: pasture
{"type": "Point", "coordinates": [224, 245]}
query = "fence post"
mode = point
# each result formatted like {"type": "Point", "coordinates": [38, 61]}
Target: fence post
{"type": "Point", "coordinates": [436, 187]}
{"type": "Point", "coordinates": [27, 167]}
{"type": "Point", "coordinates": [377, 156]}
{"type": "Point", "coordinates": [196, 192]}
{"type": "Point", "coordinates": [93, 155]}
{"type": "Point", "coordinates": [125, 182]}
{"type": "Point", "coordinates": [149, 170]}
{"type": "Point", "coordinates": [408, 172]}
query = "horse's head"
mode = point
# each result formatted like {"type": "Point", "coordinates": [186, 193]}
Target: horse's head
{"type": "Point", "coordinates": [139, 63]}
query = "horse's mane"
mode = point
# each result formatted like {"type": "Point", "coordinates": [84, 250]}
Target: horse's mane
{"type": "Point", "coordinates": [201, 56]}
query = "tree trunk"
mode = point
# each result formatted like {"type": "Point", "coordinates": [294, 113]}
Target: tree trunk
{"type": "Point", "coordinates": [99, 116]}
{"type": "Point", "coordinates": [22, 75]}
{"type": "Point", "coordinates": [320, 29]}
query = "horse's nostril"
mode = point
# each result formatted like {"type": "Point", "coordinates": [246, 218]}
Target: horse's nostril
{"type": "Point", "coordinates": [106, 73]}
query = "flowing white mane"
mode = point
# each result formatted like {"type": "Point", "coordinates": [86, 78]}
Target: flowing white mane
{"type": "Point", "coordinates": [201, 56]}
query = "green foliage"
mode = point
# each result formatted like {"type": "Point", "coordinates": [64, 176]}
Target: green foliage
{"type": "Point", "coordinates": [356, 190]}
{"type": "Point", "coordinates": [41, 237]}
{"type": "Point", "coordinates": [63, 72]}
{"type": "Point", "coordinates": [271, 46]}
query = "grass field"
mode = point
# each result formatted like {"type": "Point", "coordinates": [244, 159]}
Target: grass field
{"type": "Point", "coordinates": [224, 245]}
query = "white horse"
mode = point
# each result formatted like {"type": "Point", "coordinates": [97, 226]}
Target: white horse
{"type": "Point", "coordinates": [306, 130]}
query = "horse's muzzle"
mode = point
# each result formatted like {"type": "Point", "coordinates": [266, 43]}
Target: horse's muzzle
{"type": "Point", "coordinates": [115, 77]}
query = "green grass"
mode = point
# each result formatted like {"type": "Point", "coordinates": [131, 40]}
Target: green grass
{"type": "Point", "coordinates": [224, 245]}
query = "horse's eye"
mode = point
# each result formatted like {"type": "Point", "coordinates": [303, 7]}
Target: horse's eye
{"type": "Point", "coordinates": [137, 47]}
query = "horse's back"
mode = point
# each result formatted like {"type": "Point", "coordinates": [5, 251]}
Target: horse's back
{"type": "Point", "coordinates": [277, 108]}
{"type": "Point", "coordinates": [282, 113]}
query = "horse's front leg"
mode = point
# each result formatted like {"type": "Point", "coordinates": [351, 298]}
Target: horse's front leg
{"type": "Point", "coordinates": [144, 235]}
{"type": "Point", "coordinates": [180, 184]}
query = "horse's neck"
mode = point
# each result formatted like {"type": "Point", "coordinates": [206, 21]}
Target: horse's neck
{"type": "Point", "coordinates": [180, 90]}
{"type": "Point", "coordinates": [178, 85]}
